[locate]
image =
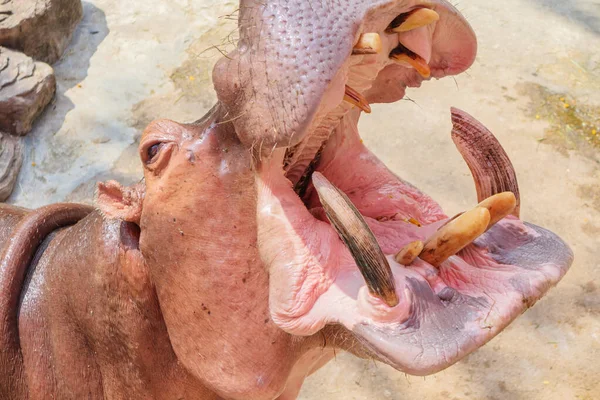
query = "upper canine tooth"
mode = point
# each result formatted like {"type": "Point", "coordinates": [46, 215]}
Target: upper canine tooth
{"type": "Point", "coordinates": [455, 236]}
{"type": "Point", "coordinates": [358, 237]}
{"type": "Point", "coordinates": [368, 43]}
{"type": "Point", "coordinates": [409, 252]}
{"type": "Point", "coordinates": [416, 19]}
{"type": "Point", "coordinates": [499, 205]}
{"type": "Point", "coordinates": [490, 166]}
{"type": "Point", "coordinates": [407, 58]}
{"type": "Point", "coordinates": [353, 97]}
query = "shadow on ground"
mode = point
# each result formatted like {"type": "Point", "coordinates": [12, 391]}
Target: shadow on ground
{"type": "Point", "coordinates": [70, 71]}
{"type": "Point", "coordinates": [586, 14]}
{"type": "Point", "coordinates": [73, 66]}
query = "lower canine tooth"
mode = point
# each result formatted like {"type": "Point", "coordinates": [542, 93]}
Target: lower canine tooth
{"type": "Point", "coordinates": [356, 234]}
{"type": "Point", "coordinates": [368, 43]}
{"type": "Point", "coordinates": [409, 252]}
{"type": "Point", "coordinates": [499, 205]}
{"type": "Point", "coordinates": [409, 59]}
{"type": "Point", "coordinates": [489, 164]}
{"type": "Point", "coordinates": [455, 236]}
{"type": "Point", "coordinates": [416, 19]}
{"type": "Point", "coordinates": [353, 97]}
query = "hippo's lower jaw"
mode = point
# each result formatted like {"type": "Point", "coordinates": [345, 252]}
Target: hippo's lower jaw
{"type": "Point", "coordinates": [291, 85]}
{"type": "Point", "coordinates": [420, 317]}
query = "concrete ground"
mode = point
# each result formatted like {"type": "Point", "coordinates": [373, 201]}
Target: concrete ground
{"type": "Point", "coordinates": [536, 85]}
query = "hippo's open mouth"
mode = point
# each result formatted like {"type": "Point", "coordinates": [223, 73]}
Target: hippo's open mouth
{"type": "Point", "coordinates": [345, 240]}
{"type": "Point", "coordinates": [418, 309]}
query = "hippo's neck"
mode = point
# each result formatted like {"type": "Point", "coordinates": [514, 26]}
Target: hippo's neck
{"type": "Point", "coordinates": [90, 315]}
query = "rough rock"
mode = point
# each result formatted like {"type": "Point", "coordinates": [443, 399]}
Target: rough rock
{"type": "Point", "coordinates": [11, 158]}
{"type": "Point", "coordinates": [42, 29]}
{"type": "Point", "coordinates": [26, 88]}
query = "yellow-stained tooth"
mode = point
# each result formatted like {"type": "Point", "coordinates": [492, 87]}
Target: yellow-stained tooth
{"type": "Point", "coordinates": [499, 205]}
{"type": "Point", "coordinates": [368, 43]}
{"type": "Point", "coordinates": [456, 235]}
{"type": "Point", "coordinates": [414, 221]}
{"type": "Point", "coordinates": [416, 19]}
{"type": "Point", "coordinates": [412, 61]}
{"type": "Point", "coordinates": [409, 252]}
{"type": "Point", "coordinates": [357, 99]}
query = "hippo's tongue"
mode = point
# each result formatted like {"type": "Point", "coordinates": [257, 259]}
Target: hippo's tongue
{"type": "Point", "coordinates": [418, 290]}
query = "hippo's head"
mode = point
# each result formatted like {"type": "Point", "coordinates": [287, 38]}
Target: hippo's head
{"type": "Point", "coordinates": [272, 234]}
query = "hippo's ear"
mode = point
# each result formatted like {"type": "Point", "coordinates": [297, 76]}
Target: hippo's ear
{"type": "Point", "coordinates": [120, 202]}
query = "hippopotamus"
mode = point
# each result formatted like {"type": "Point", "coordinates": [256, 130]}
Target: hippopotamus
{"type": "Point", "coordinates": [265, 236]}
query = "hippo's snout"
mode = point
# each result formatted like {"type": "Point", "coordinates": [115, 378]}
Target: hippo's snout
{"type": "Point", "coordinates": [295, 59]}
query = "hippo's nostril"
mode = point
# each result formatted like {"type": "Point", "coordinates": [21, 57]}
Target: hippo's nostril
{"type": "Point", "coordinates": [413, 20]}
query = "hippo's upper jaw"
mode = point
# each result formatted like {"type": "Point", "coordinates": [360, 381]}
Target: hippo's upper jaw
{"type": "Point", "coordinates": [287, 78]}
{"type": "Point", "coordinates": [347, 242]}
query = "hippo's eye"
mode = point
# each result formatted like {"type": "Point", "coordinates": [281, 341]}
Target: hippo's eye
{"type": "Point", "coordinates": [152, 152]}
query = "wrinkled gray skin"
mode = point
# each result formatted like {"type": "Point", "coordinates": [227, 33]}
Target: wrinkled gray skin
{"type": "Point", "coordinates": [170, 290]}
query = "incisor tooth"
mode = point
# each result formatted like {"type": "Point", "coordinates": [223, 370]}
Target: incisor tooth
{"type": "Point", "coordinates": [368, 43]}
{"type": "Point", "coordinates": [358, 237]}
{"type": "Point", "coordinates": [499, 205]}
{"type": "Point", "coordinates": [416, 19]}
{"type": "Point", "coordinates": [412, 60]}
{"type": "Point", "coordinates": [455, 236]}
{"type": "Point", "coordinates": [353, 97]}
{"type": "Point", "coordinates": [409, 252]}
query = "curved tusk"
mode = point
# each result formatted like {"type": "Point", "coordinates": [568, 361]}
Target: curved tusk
{"type": "Point", "coordinates": [358, 237]}
{"type": "Point", "coordinates": [490, 166]}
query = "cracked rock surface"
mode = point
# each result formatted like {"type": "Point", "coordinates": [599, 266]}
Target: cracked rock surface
{"type": "Point", "coordinates": [42, 29]}
{"type": "Point", "coordinates": [26, 88]}
{"type": "Point", "coordinates": [11, 158]}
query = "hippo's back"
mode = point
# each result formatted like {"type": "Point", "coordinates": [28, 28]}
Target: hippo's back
{"type": "Point", "coordinates": [9, 218]}
{"type": "Point", "coordinates": [21, 232]}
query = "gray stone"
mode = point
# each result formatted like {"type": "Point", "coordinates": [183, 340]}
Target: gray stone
{"type": "Point", "coordinates": [11, 158]}
{"type": "Point", "coordinates": [42, 29]}
{"type": "Point", "coordinates": [26, 88]}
